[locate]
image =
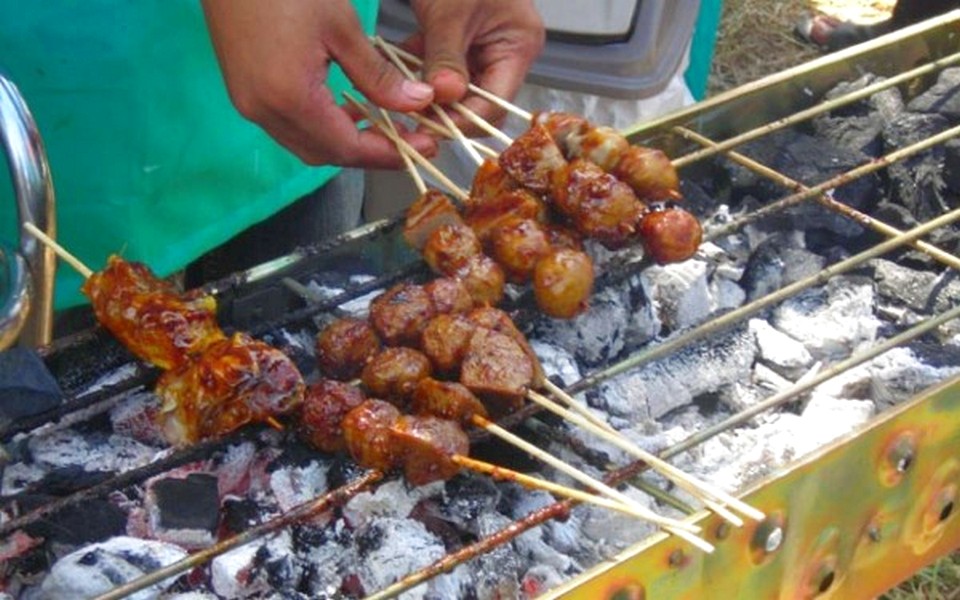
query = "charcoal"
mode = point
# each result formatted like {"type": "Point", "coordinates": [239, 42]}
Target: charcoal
{"type": "Point", "coordinates": [921, 291]}
{"type": "Point", "coordinates": [858, 126]}
{"type": "Point", "coordinates": [392, 499]}
{"type": "Point", "coordinates": [809, 160]}
{"type": "Point", "coordinates": [91, 521]}
{"type": "Point", "coordinates": [833, 320]}
{"type": "Point", "coordinates": [393, 548]}
{"type": "Point", "coordinates": [662, 386]}
{"type": "Point", "coordinates": [99, 568]}
{"type": "Point", "coordinates": [917, 182]}
{"type": "Point", "coordinates": [680, 293]}
{"type": "Point", "coordinates": [943, 98]}
{"type": "Point", "coordinates": [185, 511]}
{"type": "Point", "coordinates": [539, 579]}
{"type": "Point", "coordinates": [596, 336]}
{"type": "Point", "coordinates": [27, 387]}
{"type": "Point", "coordinates": [778, 261]}
{"type": "Point", "coordinates": [466, 497]}
{"type": "Point", "coordinates": [292, 486]}
{"type": "Point", "coordinates": [499, 570]}
{"type": "Point", "coordinates": [784, 354]}
{"type": "Point", "coordinates": [240, 514]}
{"type": "Point", "coordinates": [251, 570]}
{"type": "Point", "coordinates": [92, 451]}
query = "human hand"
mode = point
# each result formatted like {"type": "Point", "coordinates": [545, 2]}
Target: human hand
{"type": "Point", "coordinates": [275, 58]}
{"type": "Point", "coordinates": [490, 43]}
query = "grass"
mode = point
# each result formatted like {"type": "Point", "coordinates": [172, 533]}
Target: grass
{"type": "Point", "coordinates": [755, 39]}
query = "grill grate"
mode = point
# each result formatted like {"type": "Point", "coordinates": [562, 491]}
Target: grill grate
{"type": "Point", "coordinates": [681, 131]}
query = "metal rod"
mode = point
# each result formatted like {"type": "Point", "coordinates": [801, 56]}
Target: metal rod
{"type": "Point", "coordinates": [826, 200]}
{"type": "Point", "coordinates": [332, 498]}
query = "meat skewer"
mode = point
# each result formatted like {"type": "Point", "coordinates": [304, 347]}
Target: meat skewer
{"type": "Point", "coordinates": [212, 384]}
{"type": "Point", "coordinates": [428, 448]}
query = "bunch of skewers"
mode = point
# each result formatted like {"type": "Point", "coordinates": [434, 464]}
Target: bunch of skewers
{"type": "Point", "coordinates": [399, 388]}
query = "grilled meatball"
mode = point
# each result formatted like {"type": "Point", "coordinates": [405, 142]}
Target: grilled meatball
{"type": "Point", "coordinates": [235, 381]}
{"type": "Point", "coordinates": [497, 370]}
{"type": "Point", "coordinates": [603, 146]}
{"type": "Point", "coordinates": [366, 434]}
{"type": "Point", "coordinates": [563, 282]}
{"type": "Point", "coordinates": [489, 181]}
{"type": "Point", "coordinates": [149, 317]}
{"type": "Point", "coordinates": [485, 279]}
{"type": "Point", "coordinates": [427, 445]}
{"type": "Point", "coordinates": [325, 404]}
{"type": "Point", "coordinates": [484, 217]}
{"type": "Point", "coordinates": [597, 204]}
{"type": "Point", "coordinates": [450, 247]}
{"type": "Point", "coordinates": [532, 158]}
{"type": "Point", "coordinates": [445, 340]}
{"type": "Point", "coordinates": [500, 321]}
{"type": "Point", "coordinates": [670, 234]}
{"type": "Point", "coordinates": [649, 172]}
{"type": "Point", "coordinates": [562, 126]}
{"type": "Point", "coordinates": [517, 245]}
{"type": "Point", "coordinates": [393, 373]}
{"type": "Point", "coordinates": [447, 400]}
{"type": "Point", "coordinates": [344, 346]}
{"type": "Point", "coordinates": [400, 314]}
{"type": "Point", "coordinates": [449, 295]}
{"type": "Point", "coordinates": [561, 236]}
{"type": "Point", "coordinates": [429, 212]}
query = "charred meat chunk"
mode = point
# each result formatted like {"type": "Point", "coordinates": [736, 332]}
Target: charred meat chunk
{"type": "Point", "coordinates": [447, 400]}
{"type": "Point", "coordinates": [344, 346]}
{"type": "Point", "coordinates": [325, 405]}
{"type": "Point", "coordinates": [393, 373]}
{"type": "Point", "coordinates": [427, 446]}
{"type": "Point", "coordinates": [366, 433]}
{"type": "Point", "coordinates": [400, 314]}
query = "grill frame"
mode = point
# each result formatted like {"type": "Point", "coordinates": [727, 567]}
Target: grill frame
{"type": "Point", "coordinates": [667, 567]}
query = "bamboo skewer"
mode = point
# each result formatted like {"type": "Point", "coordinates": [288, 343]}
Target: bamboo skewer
{"type": "Point", "coordinates": [438, 128]}
{"type": "Point", "coordinates": [59, 250]}
{"type": "Point", "coordinates": [709, 494]}
{"type": "Point", "coordinates": [681, 529]}
{"type": "Point", "coordinates": [411, 168]}
{"type": "Point", "coordinates": [441, 114]}
{"type": "Point", "coordinates": [454, 189]}
{"type": "Point", "coordinates": [504, 474]}
{"type": "Point", "coordinates": [508, 106]}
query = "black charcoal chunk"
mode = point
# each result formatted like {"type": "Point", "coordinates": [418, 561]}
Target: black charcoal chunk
{"type": "Point", "coordinates": [27, 387]}
{"type": "Point", "coordinates": [917, 181]}
{"type": "Point", "coordinates": [185, 511]}
{"type": "Point", "coordinates": [943, 98]}
{"type": "Point", "coordinates": [83, 523]}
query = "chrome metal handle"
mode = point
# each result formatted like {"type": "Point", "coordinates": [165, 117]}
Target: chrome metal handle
{"type": "Point", "coordinates": [16, 295]}
{"type": "Point", "coordinates": [33, 187]}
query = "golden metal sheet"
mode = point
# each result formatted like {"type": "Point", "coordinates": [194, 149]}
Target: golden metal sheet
{"type": "Point", "coordinates": [849, 521]}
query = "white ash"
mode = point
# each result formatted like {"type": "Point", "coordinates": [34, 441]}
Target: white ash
{"type": "Point", "coordinates": [392, 548]}
{"type": "Point", "coordinates": [135, 416]}
{"type": "Point", "coordinates": [659, 387]}
{"type": "Point", "coordinates": [888, 379]}
{"type": "Point", "coordinates": [738, 458]}
{"type": "Point", "coordinates": [831, 321]}
{"type": "Point", "coordinates": [294, 485]}
{"type": "Point", "coordinates": [611, 531]}
{"type": "Point", "coordinates": [557, 362]}
{"type": "Point", "coordinates": [233, 470]}
{"type": "Point", "coordinates": [782, 352]}
{"type": "Point", "coordinates": [680, 292]}
{"type": "Point", "coordinates": [392, 499]}
{"type": "Point", "coordinates": [240, 573]}
{"type": "Point", "coordinates": [99, 568]}
{"type": "Point", "coordinates": [20, 475]}
{"type": "Point", "coordinates": [93, 453]}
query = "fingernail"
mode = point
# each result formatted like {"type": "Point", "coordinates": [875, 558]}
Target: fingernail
{"type": "Point", "coordinates": [416, 90]}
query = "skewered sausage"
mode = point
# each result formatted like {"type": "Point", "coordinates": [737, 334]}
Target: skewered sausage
{"type": "Point", "coordinates": [400, 314]}
{"type": "Point", "coordinates": [445, 340]}
{"type": "Point", "coordinates": [447, 400]}
{"type": "Point", "coordinates": [450, 247]}
{"type": "Point", "coordinates": [431, 210]}
{"type": "Point", "coordinates": [235, 381]}
{"type": "Point", "coordinates": [448, 295]}
{"type": "Point", "coordinates": [517, 245]}
{"type": "Point", "coordinates": [670, 234]}
{"type": "Point", "coordinates": [325, 404]}
{"type": "Point", "coordinates": [563, 282]}
{"type": "Point", "coordinates": [427, 444]}
{"type": "Point", "coordinates": [484, 278]}
{"type": "Point", "coordinates": [484, 217]}
{"type": "Point", "coordinates": [344, 346]}
{"type": "Point", "coordinates": [497, 370]}
{"type": "Point", "coordinates": [597, 204]}
{"type": "Point", "coordinates": [532, 158]}
{"type": "Point", "coordinates": [393, 373]}
{"type": "Point", "coordinates": [366, 434]}
{"type": "Point", "coordinates": [149, 317]}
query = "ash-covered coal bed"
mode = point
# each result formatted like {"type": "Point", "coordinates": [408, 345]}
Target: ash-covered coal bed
{"type": "Point", "coordinates": [384, 534]}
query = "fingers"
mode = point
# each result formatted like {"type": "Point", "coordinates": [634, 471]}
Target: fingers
{"type": "Point", "coordinates": [375, 77]}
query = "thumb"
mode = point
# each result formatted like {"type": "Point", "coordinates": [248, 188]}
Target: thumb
{"type": "Point", "coordinates": [377, 79]}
